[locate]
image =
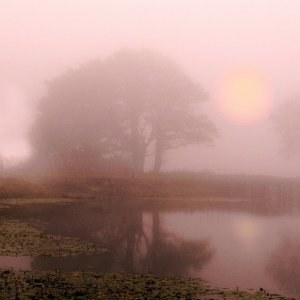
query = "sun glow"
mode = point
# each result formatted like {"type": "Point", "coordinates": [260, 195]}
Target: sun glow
{"type": "Point", "coordinates": [246, 229]}
{"type": "Point", "coordinates": [243, 96]}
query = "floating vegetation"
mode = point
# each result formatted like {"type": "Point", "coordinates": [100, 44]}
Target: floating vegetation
{"type": "Point", "coordinates": [83, 285]}
{"type": "Point", "coordinates": [18, 238]}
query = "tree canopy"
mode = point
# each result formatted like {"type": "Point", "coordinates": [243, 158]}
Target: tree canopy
{"type": "Point", "coordinates": [134, 103]}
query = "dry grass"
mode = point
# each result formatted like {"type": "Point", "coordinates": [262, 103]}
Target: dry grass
{"type": "Point", "coordinates": [21, 188]}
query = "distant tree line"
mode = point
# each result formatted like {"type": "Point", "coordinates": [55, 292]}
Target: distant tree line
{"type": "Point", "coordinates": [134, 104]}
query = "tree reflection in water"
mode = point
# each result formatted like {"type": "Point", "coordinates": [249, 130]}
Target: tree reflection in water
{"type": "Point", "coordinates": [168, 254]}
{"type": "Point", "coordinates": [284, 266]}
{"type": "Point", "coordinates": [132, 246]}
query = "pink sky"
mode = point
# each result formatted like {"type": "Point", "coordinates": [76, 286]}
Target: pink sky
{"type": "Point", "coordinates": [209, 39]}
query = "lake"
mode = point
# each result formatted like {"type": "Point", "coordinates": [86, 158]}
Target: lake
{"type": "Point", "coordinates": [230, 244]}
{"type": "Point", "coordinates": [249, 250]}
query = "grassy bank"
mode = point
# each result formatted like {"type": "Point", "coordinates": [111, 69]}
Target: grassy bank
{"type": "Point", "coordinates": [167, 185]}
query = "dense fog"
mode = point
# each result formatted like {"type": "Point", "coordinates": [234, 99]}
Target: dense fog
{"type": "Point", "coordinates": [238, 58]}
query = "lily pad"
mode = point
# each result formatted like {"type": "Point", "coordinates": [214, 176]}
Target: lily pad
{"type": "Point", "coordinates": [109, 286]}
{"type": "Point", "coordinates": [19, 238]}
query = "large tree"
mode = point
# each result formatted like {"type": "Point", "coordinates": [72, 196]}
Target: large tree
{"type": "Point", "coordinates": [160, 104]}
{"type": "Point", "coordinates": [131, 104]}
{"type": "Point", "coordinates": [74, 125]}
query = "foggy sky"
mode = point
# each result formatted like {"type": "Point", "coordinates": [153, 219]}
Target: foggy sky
{"type": "Point", "coordinates": [209, 39]}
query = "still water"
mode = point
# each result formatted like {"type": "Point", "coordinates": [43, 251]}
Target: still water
{"type": "Point", "coordinates": [250, 251]}
{"type": "Point", "coordinates": [230, 245]}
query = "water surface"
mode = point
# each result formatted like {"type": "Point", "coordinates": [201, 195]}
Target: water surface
{"type": "Point", "coordinates": [249, 245]}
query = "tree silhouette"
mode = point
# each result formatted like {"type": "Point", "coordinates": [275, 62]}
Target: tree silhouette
{"type": "Point", "coordinates": [73, 125]}
{"type": "Point", "coordinates": [160, 104]}
{"type": "Point", "coordinates": [133, 103]}
{"type": "Point", "coordinates": [132, 247]}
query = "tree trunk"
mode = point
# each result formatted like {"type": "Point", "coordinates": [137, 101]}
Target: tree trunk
{"type": "Point", "coordinates": [138, 159]}
{"type": "Point", "coordinates": [155, 226]}
{"type": "Point", "coordinates": [155, 250]}
{"type": "Point", "coordinates": [134, 230]}
{"type": "Point", "coordinates": [158, 156]}
{"type": "Point", "coordinates": [138, 149]}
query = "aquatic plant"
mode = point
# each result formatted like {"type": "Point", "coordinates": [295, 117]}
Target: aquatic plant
{"type": "Point", "coordinates": [18, 238]}
{"type": "Point", "coordinates": [110, 286]}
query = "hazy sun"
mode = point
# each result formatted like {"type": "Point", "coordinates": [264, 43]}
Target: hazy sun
{"type": "Point", "coordinates": [243, 96]}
